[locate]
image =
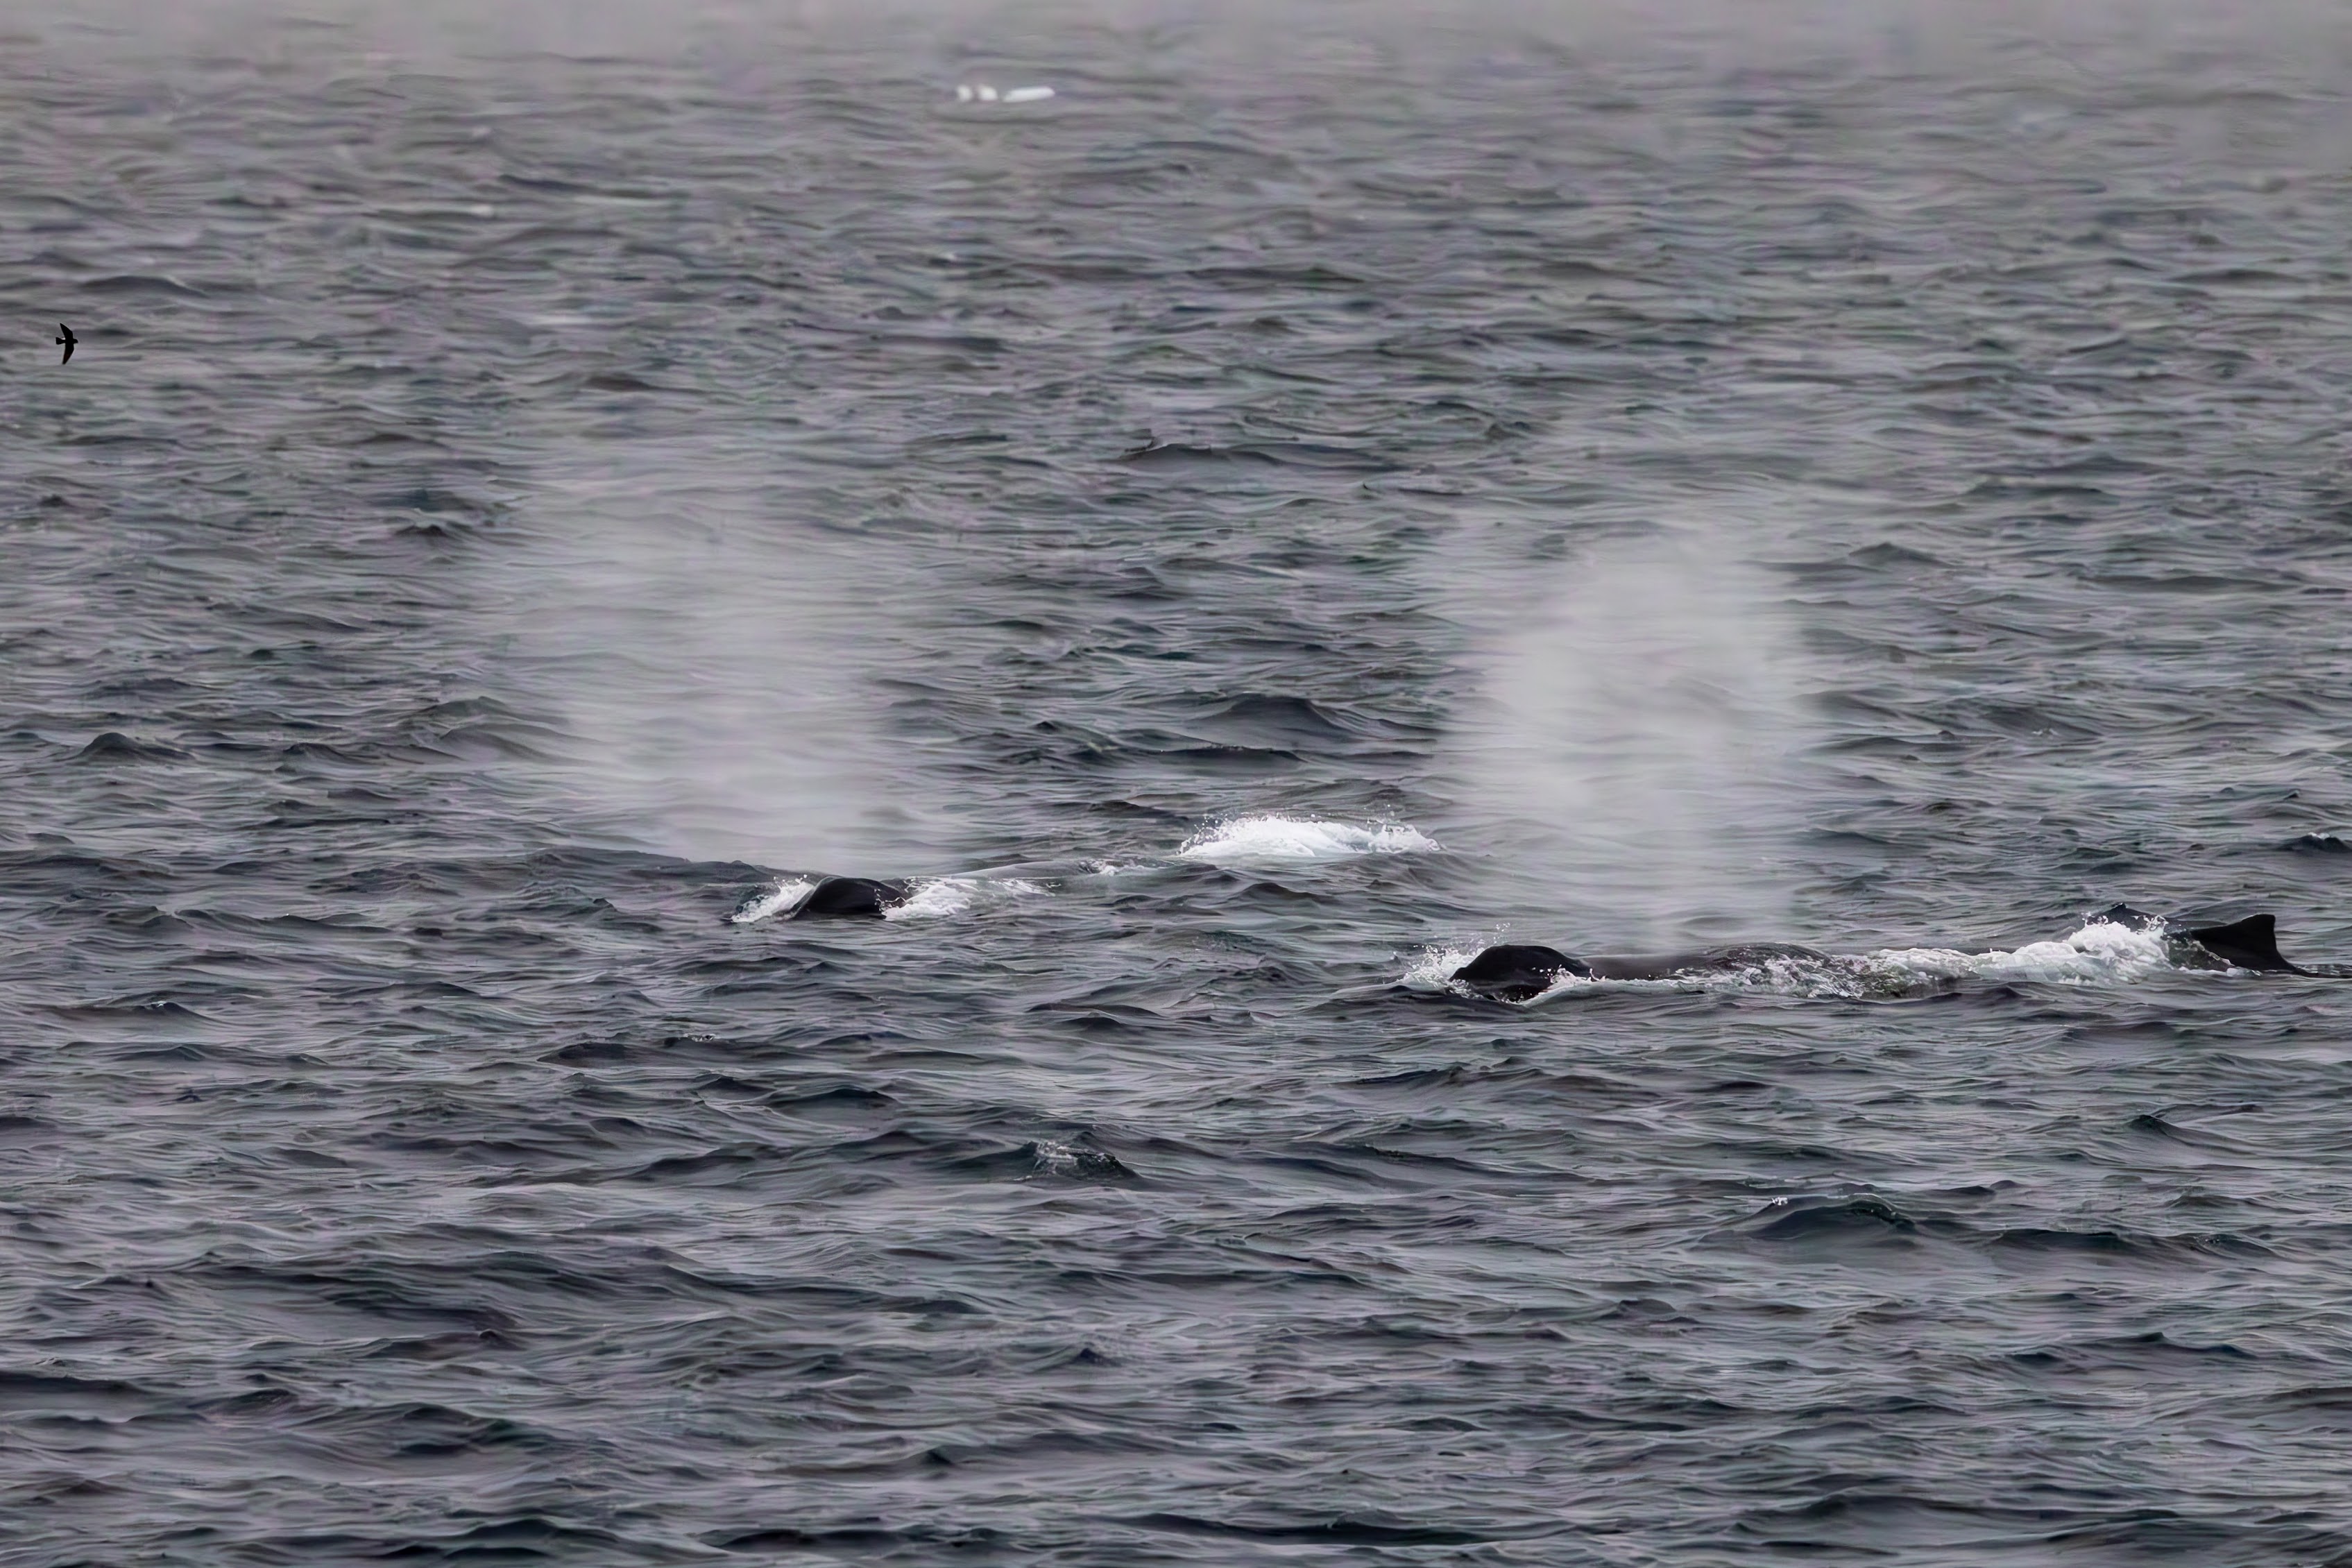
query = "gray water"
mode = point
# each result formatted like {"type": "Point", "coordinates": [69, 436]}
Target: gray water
{"type": "Point", "coordinates": [1326, 490]}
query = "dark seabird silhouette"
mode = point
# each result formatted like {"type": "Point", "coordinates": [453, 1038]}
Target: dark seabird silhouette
{"type": "Point", "coordinates": [69, 339]}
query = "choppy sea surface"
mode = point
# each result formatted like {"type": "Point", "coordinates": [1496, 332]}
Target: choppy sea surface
{"type": "Point", "coordinates": [1325, 490]}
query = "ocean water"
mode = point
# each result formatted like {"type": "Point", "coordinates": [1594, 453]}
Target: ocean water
{"type": "Point", "coordinates": [1328, 488]}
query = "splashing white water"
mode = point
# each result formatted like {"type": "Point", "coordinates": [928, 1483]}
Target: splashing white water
{"type": "Point", "coordinates": [783, 896]}
{"type": "Point", "coordinates": [2101, 953]}
{"type": "Point", "coordinates": [1270, 839]}
{"type": "Point", "coordinates": [942, 895]}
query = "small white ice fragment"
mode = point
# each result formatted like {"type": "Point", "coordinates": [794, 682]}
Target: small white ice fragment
{"type": "Point", "coordinates": [963, 92]}
{"type": "Point", "coordinates": [987, 93]}
{"type": "Point", "coordinates": [1027, 94]}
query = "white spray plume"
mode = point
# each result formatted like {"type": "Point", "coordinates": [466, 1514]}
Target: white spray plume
{"type": "Point", "coordinates": [1636, 740]}
{"type": "Point", "coordinates": [714, 658]}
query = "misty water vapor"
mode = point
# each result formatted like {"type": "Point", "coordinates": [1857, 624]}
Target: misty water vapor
{"type": "Point", "coordinates": [712, 657]}
{"type": "Point", "coordinates": [1640, 725]}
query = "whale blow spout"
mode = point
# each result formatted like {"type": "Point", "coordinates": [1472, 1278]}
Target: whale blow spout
{"type": "Point", "coordinates": [850, 897]}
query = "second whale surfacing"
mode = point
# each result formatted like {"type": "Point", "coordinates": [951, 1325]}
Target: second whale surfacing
{"type": "Point", "coordinates": [1521, 971]}
{"type": "Point", "coordinates": [850, 897]}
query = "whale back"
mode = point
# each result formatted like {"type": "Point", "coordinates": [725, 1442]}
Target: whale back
{"type": "Point", "coordinates": [1518, 971]}
{"type": "Point", "coordinates": [850, 897]}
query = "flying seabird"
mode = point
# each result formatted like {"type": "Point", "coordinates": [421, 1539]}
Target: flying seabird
{"type": "Point", "coordinates": [69, 339]}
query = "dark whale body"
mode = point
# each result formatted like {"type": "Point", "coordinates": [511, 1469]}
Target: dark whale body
{"type": "Point", "coordinates": [849, 897]}
{"type": "Point", "coordinates": [1520, 971]}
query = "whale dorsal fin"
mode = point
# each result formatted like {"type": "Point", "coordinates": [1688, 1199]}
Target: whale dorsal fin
{"type": "Point", "coordinates": [2250, 944]}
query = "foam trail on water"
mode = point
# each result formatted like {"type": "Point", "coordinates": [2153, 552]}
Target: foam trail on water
{"type": "Point", "coordinates": [943, 896]}
{"type": "Point", "coordinates": [1239, 841]}
{"type": "Point", "coordinates": [1263, 839]}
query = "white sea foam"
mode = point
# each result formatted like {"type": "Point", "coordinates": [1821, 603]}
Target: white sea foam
{"type": "Point", "coordinates": [2101, 952]}
{"type": "Point", "coordinates": [1076, 1160]}
{"type": "Point", "coordinates": [1432, 969]}
{"type": "Point", "coordinates": [1249, 840]}
{"type": "Point", "coordinates": [775, 900]}
{"type": "Point", "coordinates": [981, 92]}
{"type": "Point", "coordinates": [941, 896]}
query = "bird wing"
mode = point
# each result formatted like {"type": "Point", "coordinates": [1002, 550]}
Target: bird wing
{"type": "Point", "coordinates": [69, 348]}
